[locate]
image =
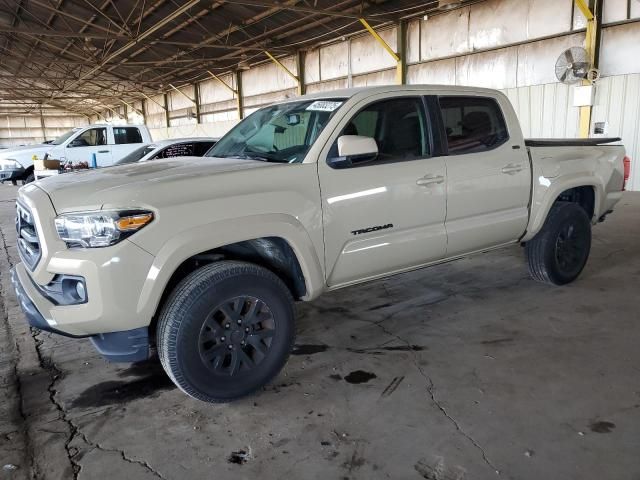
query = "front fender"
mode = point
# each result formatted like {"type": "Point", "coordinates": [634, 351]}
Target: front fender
{"type": "Point", "coordinates": [187, 243]}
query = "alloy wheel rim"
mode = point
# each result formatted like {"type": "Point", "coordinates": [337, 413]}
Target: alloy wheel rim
{"type": "Point", "coordinates": [236, 336]}
{"type": "Point", "coordinates": [569, 247]}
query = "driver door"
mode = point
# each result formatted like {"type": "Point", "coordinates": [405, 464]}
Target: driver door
{"type": "Point", "coordinates": [386, 215]}
{"type": "Point", "coordinates": [92, 140]}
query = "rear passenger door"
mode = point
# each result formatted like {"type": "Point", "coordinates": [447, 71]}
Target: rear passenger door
{"type": "Point", "coordinates": [126, 140]}
{"type": "Point", "coordinates": [385, 215]}
{"type": "Point", "coordinates": [488, 175]}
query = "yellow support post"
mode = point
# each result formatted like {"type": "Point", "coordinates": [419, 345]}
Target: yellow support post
{"type": "Point", "coordinates": [400, 70]}
{"type": "Point", "coordinates": [590, 43]}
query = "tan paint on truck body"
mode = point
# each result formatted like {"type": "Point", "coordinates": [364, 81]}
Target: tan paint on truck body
{"type": "Point", "coordinates": [204, 203]}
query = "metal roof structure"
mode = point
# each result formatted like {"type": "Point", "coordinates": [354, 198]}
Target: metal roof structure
{"type": "Point", "coordinates": [87, 55]}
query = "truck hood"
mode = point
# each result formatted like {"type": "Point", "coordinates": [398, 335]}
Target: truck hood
{"type": "Point", "coordinates": [140, 184]}
{"type": "Point", "coordinates": [38, 148]}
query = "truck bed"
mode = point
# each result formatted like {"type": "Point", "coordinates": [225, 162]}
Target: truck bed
{"type": "Point", "coordinates": [569, 142]}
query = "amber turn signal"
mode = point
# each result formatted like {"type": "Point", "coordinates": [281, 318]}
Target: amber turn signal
{"type": "Point", "coordinates": [133, 222]}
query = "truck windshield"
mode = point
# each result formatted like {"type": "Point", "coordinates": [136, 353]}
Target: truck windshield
{"type": "Point", "coordinates": [279, 133]}
{"type": "Point", "coordinates": [64, 136]}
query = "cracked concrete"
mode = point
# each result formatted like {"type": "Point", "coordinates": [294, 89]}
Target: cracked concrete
{"type": "Point", "coordinates": [466, 370]}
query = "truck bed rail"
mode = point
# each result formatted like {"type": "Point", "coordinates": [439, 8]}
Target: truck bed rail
{"type": "Point", "coordinates": [569, 142]}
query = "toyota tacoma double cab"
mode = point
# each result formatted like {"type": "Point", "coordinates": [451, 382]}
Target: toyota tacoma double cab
{"type": "Point", "coordinates": [203, 258]}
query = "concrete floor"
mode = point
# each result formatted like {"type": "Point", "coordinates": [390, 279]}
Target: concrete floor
{"type": "Point", "coordinates": [466, 370]}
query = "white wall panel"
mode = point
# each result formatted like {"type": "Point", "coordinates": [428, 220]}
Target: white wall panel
{"type": "Point", "coordinates": [413, 41]}
{"type": "Point", "coordinates": [312, 66]}
{"type": "Point", "coordinates": [495, 69]}
{"type": "Point", "coordinates": [334, 61]}
{"type": "Point", "coordinates": [178, 100]}
{"type": "Point", "coordinates": [547, 17]}
{"type": "Point", "coordinates": [441, 72]}
{"type": "Point", "coordinates": [620, 48]}
{"type": "Point", "coordinates": [498, 22]}
{"type": "Point", "coordinates": [614, 11]}
{"type": "Point", "coordinates": [268, 77]}
{"type": "Point", "coordinates": [212, 91]}
{"type": "Point", "coordinates": [435, 44]}
{"type": "Point", "coordinates": [386, 77]}
{"type": "Point", "coordinates": [368, 55]}
{"type": "Point", "coordinates": [327, 86]}
{"type": "Point", "coordinates": [154, 106]}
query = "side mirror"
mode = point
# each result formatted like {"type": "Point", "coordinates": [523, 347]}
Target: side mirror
{"type": "Point", "coordinates": [76, 143]}
{"type": "Point", "coordinates": [354, 150]}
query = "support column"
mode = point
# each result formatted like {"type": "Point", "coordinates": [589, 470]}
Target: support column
{"type": "Point", "coordinates": [401, 42]}
{"type": "Point", "coordinates": [300, 68]}
{"type": "Point", "coordinates": [44, 131]}
{"type": "Point", "coordinates": [593, 14]}
{"type": "Point", "coordinates": [196, 94]}
{"type": "Point", "coordinates": [167, 118]}
{"type": "Point", "coordinates": [240, 103]}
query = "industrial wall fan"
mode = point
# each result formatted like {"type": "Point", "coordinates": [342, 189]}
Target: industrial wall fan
{"type": "Point", "coordinates": [573, 66]}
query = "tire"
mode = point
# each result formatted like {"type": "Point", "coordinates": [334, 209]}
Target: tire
{"type": "Point", "coordinates": [30, 178]}
{"type": "Point", "coordinates": [14, 182]}
{"type": "Point", "coordinates": [559, 252]}
{"type": "Point", "coordinates": [206, 319]}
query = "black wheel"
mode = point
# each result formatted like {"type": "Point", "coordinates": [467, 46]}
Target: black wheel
{"type": "Point", "coordinates": [226, 330]}
{"type": "Point", "coordinates": [559, 252]}
{"type": "Point", "coordinates": [30, 178]}
{"type": "Point", "coordinates": [14, 182]}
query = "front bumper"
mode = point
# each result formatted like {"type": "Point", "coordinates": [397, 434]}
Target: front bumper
{"type": "Point", "coordinates": [124, 346]}
{"type": "Point", "coordinates": [11, 174]}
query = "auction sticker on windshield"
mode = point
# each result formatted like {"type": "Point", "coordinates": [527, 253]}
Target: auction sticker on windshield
{"type": "Point", "coordinates": [323, 106]}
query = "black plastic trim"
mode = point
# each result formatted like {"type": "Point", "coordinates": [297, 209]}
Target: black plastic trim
{"type": "Point", "coordinates": [34, 317]}
{"type": "Point", "coordinates": [126, 346]}
{"type": "Point", "coordinates": [570, 142]}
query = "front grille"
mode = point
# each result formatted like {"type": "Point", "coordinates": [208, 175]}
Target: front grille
{"type": "Point", "coordinates": [28, 242]}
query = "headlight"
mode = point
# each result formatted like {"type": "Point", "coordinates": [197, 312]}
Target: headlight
{"type": "Point", "coordinates": [100, 228]}
{"type": "Point", "coordinates": [9, 164]}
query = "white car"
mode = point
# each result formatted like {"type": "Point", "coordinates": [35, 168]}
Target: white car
{"type": "Point", "coordinates": [109, 143]}
{"type": "Point", "coordinates": [175, 147]}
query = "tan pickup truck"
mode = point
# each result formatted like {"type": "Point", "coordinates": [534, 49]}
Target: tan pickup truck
{"type": "Point", "coordinates": [202, 258]}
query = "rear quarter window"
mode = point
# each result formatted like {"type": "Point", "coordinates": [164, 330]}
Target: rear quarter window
{"type": "Point", "coordinates": [123, 135]}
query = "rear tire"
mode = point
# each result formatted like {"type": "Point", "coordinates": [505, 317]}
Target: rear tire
{"type": "Point", "coordinates": [226, 330]}
{"type": "Point", "coordinates": [559, 252]}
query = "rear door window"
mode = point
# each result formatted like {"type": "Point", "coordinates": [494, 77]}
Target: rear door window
{"type": "Point", "coordinates": [472, 124]}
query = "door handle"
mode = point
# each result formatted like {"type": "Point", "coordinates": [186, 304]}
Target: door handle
{"type": "Point", "coordinates": [512, 168]}
{"type": "Point", "coordinates": [429, 180]}
{"type": "Point", "coordinates": [103, 151]}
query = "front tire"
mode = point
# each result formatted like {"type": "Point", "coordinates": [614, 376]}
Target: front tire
{"type": "Point", "coordinates": [226, 330]}
{"type": "Point", "coordinates": [559, 252]}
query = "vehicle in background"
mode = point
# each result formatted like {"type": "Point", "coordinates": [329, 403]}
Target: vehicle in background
{"type": "Point", "coordinates": [108, 142]}
{"type": "Point", "coordinates": [202, 258]}
{"type": "Point", "coordinates": [175, 147]}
